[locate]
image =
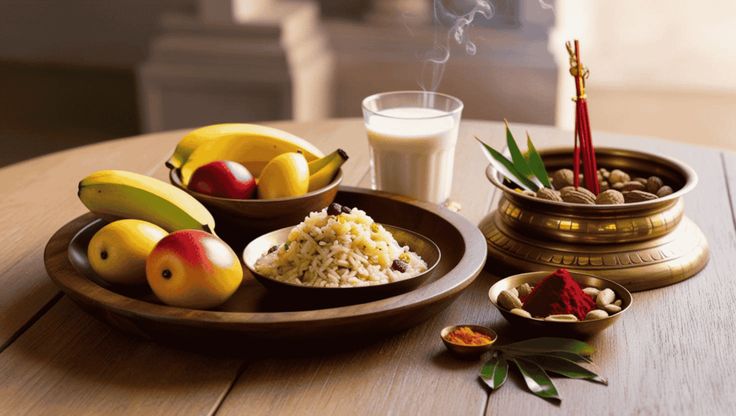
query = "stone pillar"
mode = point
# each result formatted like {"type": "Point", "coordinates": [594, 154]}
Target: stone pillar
{"type": "Point", "coordinates": [237, 61]}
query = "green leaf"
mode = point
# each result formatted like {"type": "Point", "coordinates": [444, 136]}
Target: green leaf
{"type": "Point", "coordinates": [507, 168]}
{"type": "Point", "coordinates": [535, 162]}
{"type": "Point", "coordinates": [549, 344]}
{"type": "Point", "coordinates": [516, 157]}
{"type": "Point", "coordinates": [494, 372]}
{"type": "Point", "coordinates": [566, 355]}
{"type": "Point", "coordinates": [536, 379]}
{"type": "Point", "coordinates": [565, 368]}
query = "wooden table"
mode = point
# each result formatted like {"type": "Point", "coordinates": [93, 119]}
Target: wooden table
{"type": "Point", "coordinates": [671, 354]}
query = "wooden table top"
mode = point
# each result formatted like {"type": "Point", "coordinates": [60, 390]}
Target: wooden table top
{"type": "Point", "coordinates": [671, 353]}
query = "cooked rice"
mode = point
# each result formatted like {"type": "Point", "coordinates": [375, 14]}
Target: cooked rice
{"type": "Point", "coordinates": [343, 250]}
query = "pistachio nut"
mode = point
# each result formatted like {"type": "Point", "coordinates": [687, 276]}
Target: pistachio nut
{"type": "Point", "coordinates": [521, 312]}
{"type": "Point", "coordinates": [591, 291]}
{"type": "Point", "coordinates": [611, 308]}
{"type": "Point", "coordinates": [568, 317]}
{"type": "Point", "coordinates": [524, 290]}
{"type": "Point", "coordinates": [605, 297]}
{"type": "Point", "coordinates": [596, 314]}
{"type": "Point", "coordinates": [508, 300]}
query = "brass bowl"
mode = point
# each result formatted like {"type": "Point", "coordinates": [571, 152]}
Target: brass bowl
{"type": "Point", "coordinates": [468, 350]}
{"type": "Point", "coordinates": [575, 329]}
{"type": "Point", "coordinates": [423, 246]}
{"type": "Point", "coordinates": [239, 220]}
{"type": "Point", "coordinates": [599, 224]}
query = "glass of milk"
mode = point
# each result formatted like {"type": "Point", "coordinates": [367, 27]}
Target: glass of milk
{"type": "Point", "coordinates": [412, 137]}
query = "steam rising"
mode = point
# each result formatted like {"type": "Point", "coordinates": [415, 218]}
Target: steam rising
{"type": "Point", "coordinates": [434, 63]}
{"type": "Point", "coordinates": [546, 6]}
{"type": "Point", "coordinates": [435, 60]}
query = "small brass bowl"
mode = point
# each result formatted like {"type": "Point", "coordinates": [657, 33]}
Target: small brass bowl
{"type": "Point", "coordinates": [575, 329]}
{"type": "Point", "coordinates": [468, 350]}
{"type": "Point", "coordinates": [423, 246]}
{"type": "Point", "coordinates": [239, 220]}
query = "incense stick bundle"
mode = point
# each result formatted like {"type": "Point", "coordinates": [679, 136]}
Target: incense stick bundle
{"type": "Point", "coordinates": [583, 149]}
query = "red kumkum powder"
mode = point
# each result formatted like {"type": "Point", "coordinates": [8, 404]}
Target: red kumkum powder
{"type": "Point", "coordinates": [557, 294]}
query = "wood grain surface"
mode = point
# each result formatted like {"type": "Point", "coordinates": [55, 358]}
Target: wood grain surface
{"type": "Point", "coordinates": [40, 196]}
{"type": "Point", "coordinates": [671, 354]}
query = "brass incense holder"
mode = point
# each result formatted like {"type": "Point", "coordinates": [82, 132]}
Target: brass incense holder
{"type": "Point", "coordinates": [640, 245]}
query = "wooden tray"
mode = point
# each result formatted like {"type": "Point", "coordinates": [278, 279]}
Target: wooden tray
{"type": "Point", "coordinates": [253, 316]}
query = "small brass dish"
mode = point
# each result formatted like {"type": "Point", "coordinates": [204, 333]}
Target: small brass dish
{"type": "Point", "coordinates": [575, 329]}
{"type": "Point", "coordinates": [423, 246]}
{"type": "Point", "coordinates": [468, 350]}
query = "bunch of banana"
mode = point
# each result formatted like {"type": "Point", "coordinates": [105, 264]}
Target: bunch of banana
{"type": "Point", "coordinates": [125, 194]}
{"type": "Point", "coordinates": [249, 144]}
{"type": "Point", "coordinates": [289, 174]}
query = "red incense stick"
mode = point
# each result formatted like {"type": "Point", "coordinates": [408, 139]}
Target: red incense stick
{"type": "Point", "coordinates": [583, 138]}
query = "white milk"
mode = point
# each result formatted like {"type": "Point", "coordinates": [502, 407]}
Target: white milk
{"type": "Point", "coordinates": [413, 154]}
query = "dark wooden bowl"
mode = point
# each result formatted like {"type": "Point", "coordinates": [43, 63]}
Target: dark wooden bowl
{"type": "Point", "coordinates": [418, 243]}
{"type": "Point", "coordinates": [253, 316]}
{"type": "Point", "coordinates": [259, 216]}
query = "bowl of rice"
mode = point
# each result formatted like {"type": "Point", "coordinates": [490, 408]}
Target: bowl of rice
{"type": "Point", "coordinates": [341, 253]}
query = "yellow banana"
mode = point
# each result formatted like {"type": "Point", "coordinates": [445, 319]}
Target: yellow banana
{"type": "Point", "coordinates": [195, 138]}
{"type": "Point", "coordinates": [323, 170]}
{"type": "Point", "coordinates": [318, 164]}
{"type": "Point", "coordinates": [284, 176]}
{"type": "Point", "coordinates": [248, 144]}
{"type": "Point", "coordinates": [131, 195]}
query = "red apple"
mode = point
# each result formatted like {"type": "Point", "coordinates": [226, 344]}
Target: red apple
{"type": "Point", "coordinates": [193, 269]}
{"type": "Point", "coordinates": [223, 178]}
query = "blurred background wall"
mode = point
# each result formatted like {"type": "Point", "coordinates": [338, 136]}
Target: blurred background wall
{"type": "Point", "coordinates": [79, 71]}
{"type": "Point", "coordinates": [67, 70]}
{"type": "Point", "coordinates": [657, 68]}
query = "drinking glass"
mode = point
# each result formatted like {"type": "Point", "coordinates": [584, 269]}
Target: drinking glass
{"type": "Point", "coordinates": [412, 137]}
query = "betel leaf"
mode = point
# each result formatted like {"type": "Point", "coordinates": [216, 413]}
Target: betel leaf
{"type": "Point", "coordinates": [537, 379]}
{"type": "Point", "coordinates": [547, 344]}
{"type": "Point", "coordinates": [535, 162]}
{"type": "Point", "coordinates": [506, 167]}
{"type": "Point", "coordinates": [585, 362]}
{"type": "Point", "coordinates": [565, 368]}
{"type": "Point", "coordinates": [560, 354]}
{"type": "Point", "coordinates": [516, 157]}
{"type": "Point", "coordinates": [494, 372]}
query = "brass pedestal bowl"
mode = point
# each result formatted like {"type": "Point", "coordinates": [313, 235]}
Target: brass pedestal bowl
{"type": "Point", "coordinates": [640, 245]}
